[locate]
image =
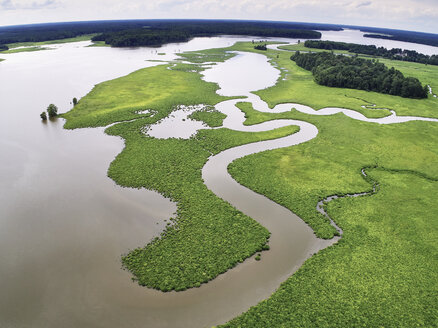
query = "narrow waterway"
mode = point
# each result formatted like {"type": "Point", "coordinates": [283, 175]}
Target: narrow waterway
{"type": "Point", "coordinates": [292, 241]}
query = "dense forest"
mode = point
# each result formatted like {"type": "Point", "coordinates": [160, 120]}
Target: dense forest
{"type": "Point", "coordinates": [54, 31]}
{"type": "Point", "coordinates": [142, 37]}
{"type": "Point", "coordinates": [395, 53]}
{"type": "Point", "coordinates": [358, 73]}
{"type": "Point", "coordinates": [182, 32]}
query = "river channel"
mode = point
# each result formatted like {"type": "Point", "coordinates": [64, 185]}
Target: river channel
{"type": "Point", "coordinates": [64, 224]}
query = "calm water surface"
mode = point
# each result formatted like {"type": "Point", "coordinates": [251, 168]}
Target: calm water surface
{"type": "Point", "coordinates": [63, 223]}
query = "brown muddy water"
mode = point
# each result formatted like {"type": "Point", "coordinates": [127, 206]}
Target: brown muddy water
{"type": "Point", "coordinates": [63, 223]}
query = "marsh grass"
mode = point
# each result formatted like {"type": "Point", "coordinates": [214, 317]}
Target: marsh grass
{"type": "Point", "coordinates": [383, 272]}
{"type": "Point", "coordinates": [206, 56]}
{"type": "Point", "coordinates": [156, 88]}
{"type": "Point", "coordinates": [208, 236]}
{"type": "Point", "coordinates": [209, 115]}
{"type": "Point", "coordinates": [84, 37]}
{"type": "Point", "coordinates": [27, 49]}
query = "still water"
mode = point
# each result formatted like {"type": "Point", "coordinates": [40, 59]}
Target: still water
{"type": "Point", "coordinates": [64, 224]}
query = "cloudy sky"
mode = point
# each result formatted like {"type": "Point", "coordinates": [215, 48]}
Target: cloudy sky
{"type": "Point", "coordinates": [419, 15]}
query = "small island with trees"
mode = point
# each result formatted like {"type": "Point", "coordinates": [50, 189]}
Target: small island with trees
{"type": "Point", "coordinates": [52, 111]}
{"type": "Point", "coordinates": [261, 47]}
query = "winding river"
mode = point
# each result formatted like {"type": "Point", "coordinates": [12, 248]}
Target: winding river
{"type": "Point", "coordinates": [292, 241]}
{"type": "Point", "coordinates": [61, 259]}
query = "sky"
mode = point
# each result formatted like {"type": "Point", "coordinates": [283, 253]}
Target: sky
{"type": "Point", "coordinates": [415, 15]}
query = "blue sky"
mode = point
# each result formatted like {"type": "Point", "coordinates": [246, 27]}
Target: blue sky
{"type": "Point", "coordinates": [419, 15]}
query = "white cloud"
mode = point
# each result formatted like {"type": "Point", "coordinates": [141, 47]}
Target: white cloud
{"type": "Point", "coordinates": [27, 4]}
{"type": "Point", "coordinates": [404, 14]}
{"type": "Point", "coordinates": [364, 4]}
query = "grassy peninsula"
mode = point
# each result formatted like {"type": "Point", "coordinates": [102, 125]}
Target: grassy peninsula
{"type": "Point", "coordinates": [207, 236]}
{"type": "Point", "coordinates": [17, 47]}
{"type": "Point", "coordinates": [25, 49]}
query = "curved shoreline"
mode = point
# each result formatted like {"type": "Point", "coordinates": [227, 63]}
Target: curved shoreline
{"type": "Point", "coordinates": [250, 282]}
{"type": "Point", "coordinates": [284, 228]}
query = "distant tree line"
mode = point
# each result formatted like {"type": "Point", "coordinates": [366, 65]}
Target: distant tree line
{"type": "Point", "coordinates": [54, 31]}
{"type": "Point", "coordinates": [142, 37]}
{"type": "Point", "coordinates": [357, 73]}
{"type": "Point", "coordinates": [3, 47]}
{"type": "Point", "coordinates": [428, 39]}
{"type": "Point", "coordinates": [404, 38]}
{"type": "Point", "coordinates": [184, 32]}
{"type": "Point", "coordinates": [395, 53]}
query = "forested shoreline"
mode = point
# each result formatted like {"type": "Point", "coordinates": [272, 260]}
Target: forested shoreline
{"type": "Point", "coordinates": [184, 32]}
{"type": "Point", "coordinates": [140, 37]}
{"type": "Point", "coordinates": [357, 73]}
{"type": "Point", "coordinates": [411, 37]}
{"type": "Point", "coordinates": [372, 50]}
{"type": "Point", "coordinates": [56, 31]}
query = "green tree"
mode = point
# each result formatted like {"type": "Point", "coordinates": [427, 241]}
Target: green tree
{"type": "Point", "coordinates": [75, 101]}
{"type": "Point", "coordinates": [52, 110]}
{"type": "Point", "coordinates": [43, 116]}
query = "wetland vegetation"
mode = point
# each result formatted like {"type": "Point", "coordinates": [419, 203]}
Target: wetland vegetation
{"type": "Point", "coordinates": [208, 236]}
{"type": "Point", "coordinates": [208, 115]}
{"type": "Point", "coordinates": [379, 273]}
{"type": "Point", "coordinates": [382, 272]}
{"type": "Point", "coordinates": [298, 86]}
{"type": "Point", "coordinates": [25, 49]}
